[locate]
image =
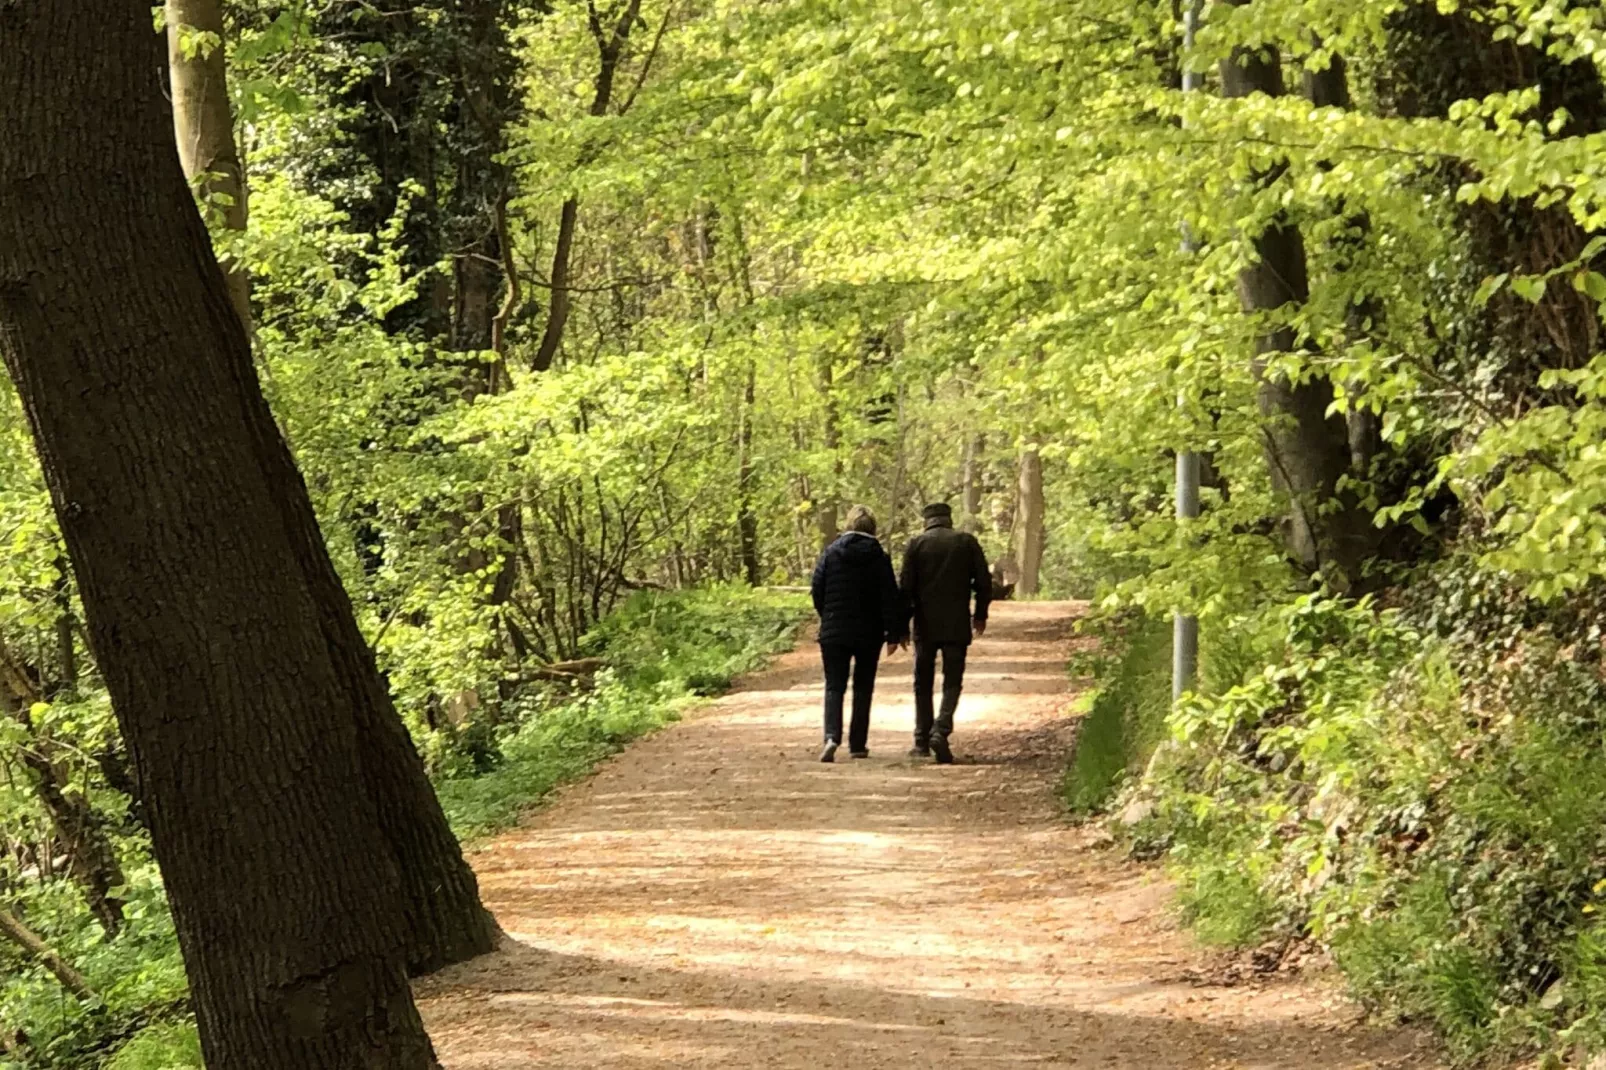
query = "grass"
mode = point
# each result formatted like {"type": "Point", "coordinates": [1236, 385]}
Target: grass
{"type": "Point", "coordinates": [1124, 722]}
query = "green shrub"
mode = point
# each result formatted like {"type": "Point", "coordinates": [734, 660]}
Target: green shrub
{"type": "Point", "coordinates": [1432, 808]}
{"type": "Point", "coordinates": [138, 977]}
{"type": "Point", "coordinates": [1225, 904]}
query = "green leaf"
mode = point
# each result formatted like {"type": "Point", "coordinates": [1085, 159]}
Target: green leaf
{"type": "Point", "coordinates": [1530, 288]}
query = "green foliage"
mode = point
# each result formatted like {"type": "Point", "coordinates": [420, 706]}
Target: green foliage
{"type": "Point", "coordinates": [548, 747]}
{"type": "Point", "coordinates": [138, 977]}
{"type": "Point", "coordinates": [926, 231]}
{"type": "Point", "coordinates": [172, 1046]}
{"type": "Point", "coordinates": [1430, 810]}
{"type": "Point", "coordinates": [1225, 903]}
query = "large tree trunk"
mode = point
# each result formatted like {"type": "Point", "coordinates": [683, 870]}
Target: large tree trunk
{"type": "Point", "coordinates": [203, 123]}
{"type": "Point", "coordinates": [1306, 448]}
{"type": "Point", "coordinates": [1029, 523]}
{"type": "Point", "coordinates": [212, 634]}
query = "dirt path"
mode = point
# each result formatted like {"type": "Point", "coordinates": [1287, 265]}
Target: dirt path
{"type": "Point", "coordinates": [715, 897]}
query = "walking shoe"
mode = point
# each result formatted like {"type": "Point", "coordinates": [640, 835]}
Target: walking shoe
{"type": "Point", "coordinates": [829, 753]}
{"type": "Point", "coordinates": [918, 751]}
{"type": "Point", "coordinates": [945, 756]}
{"type": "Point", "coordinates": [859, 754]}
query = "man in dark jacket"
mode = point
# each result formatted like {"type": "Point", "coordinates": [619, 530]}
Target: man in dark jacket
{"type": "Point", "coordinates": [856, 596]}
{"type": "Point", "coordinates": [942, 570]}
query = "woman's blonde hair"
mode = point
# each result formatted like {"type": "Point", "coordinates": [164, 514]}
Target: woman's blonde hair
{"type": "Point", "coordinates": [862, 520]}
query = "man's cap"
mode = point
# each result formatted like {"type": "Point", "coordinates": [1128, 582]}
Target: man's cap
{"type": "Point", "coordinates": [937, 510]}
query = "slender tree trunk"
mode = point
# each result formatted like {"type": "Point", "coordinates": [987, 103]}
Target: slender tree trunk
{"type": "Point", "coordinates": [826, 500]}
{"type": "Point", "coordinates": [747, 519]}
{"type": "Point", "coordinates": [212, 635]}
{"type": "Point", "coordinates": [1307, 449]}
{"type": "Point", "coordinates": [1329, 88]}
{"type": "Point", "coordinates": [203, 124]}
{"type": "Point", "coordinates": [1029, 524]}
{"type": "Point", "coordinates": [91, 859]}
{"type": "Point", "coordinates": [975, 447]}
{"type": "Point", "coordinates": [611, 43]}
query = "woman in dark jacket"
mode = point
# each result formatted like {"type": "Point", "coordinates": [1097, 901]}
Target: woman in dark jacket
{"type": "Point", "coordinates": [856, 596]}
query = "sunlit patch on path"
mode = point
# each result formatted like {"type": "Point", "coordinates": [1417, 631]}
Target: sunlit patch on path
{"type": "Point", "coordinates": [716, 897]}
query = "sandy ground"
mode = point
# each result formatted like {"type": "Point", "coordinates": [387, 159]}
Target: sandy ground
{"type": "Point", "coordinates": [716, 897]}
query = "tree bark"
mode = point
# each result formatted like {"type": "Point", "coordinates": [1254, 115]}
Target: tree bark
{"type": "Point", "coordinates": [1306, 449]}
{"type": "Point", "coordinates": [213, 636]}
{"type": "Point", "coordinates": [1029, 523]}
{"type": "Point", "coordinates": [203, 124]}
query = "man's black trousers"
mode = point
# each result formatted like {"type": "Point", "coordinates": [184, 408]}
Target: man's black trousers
{"type": "Point", "coordinates": [929, 723]}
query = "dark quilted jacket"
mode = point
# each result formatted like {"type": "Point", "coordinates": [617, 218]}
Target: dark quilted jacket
{"type": "Point", "coordinates": [856, 594]}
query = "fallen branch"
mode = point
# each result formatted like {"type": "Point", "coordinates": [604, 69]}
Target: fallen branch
{"type": "Point", "coordinates": [25, 938]}
{"type": "Point", "coordinates": [570, 670]}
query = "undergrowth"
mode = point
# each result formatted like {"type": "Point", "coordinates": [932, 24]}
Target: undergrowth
{"type": "Point", "coordinates": [1125, 718]}
{"type": "Point", "coordinates": [662, 651]}
{"type": "Point", "coordinates": [1424, 798]}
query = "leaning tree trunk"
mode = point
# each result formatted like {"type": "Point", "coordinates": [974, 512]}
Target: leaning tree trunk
{"type": "Point", "coordinates": [203, 124]}
{"type": "Point", "coordinates": [1029, 524]}
{"type": "Point", "coordinates": [443, 919]}
{"type": "Point", "coordinates": [213, 639]}
{"type": "Point", "coordinates": [1306, 446]}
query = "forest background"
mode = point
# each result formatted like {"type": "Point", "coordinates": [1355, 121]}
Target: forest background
{"type": "Point", "coordinates": [585, 322]}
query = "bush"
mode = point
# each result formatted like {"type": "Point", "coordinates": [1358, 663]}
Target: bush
{"type": "Point", "coordinates": [169, 1046]}
{"type": "Point", "coordinates": [138, 977]}
{"type": "Point", "coordinates": [1431, 808]}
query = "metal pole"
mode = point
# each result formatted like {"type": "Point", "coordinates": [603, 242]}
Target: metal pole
{"type": "Point", "coordinates": [1185, 629]}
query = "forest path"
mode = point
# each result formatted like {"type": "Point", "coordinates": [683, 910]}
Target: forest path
{"type": "Point", "coordinates": [716, 897]}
